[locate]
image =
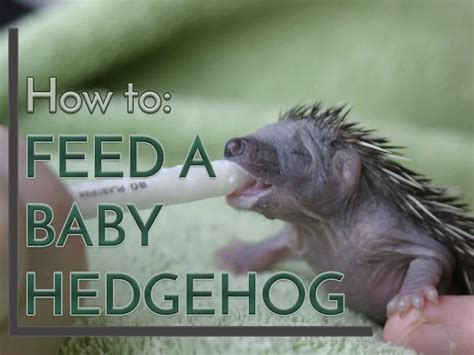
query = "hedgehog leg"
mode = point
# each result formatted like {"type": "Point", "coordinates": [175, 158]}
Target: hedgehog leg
{"type": "Point", "coordinates": [420, 285]}
{"type": "Point", "coordinates": [241, 257]}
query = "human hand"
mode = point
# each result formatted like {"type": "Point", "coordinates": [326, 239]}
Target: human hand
{"type": "Point", "coordinates": [443, 328]}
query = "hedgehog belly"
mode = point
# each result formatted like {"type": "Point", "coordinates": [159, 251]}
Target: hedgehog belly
{"type": "Point", "coordinates": [366, 289]}
{"type": "Point", "coordinates": [368, 285]}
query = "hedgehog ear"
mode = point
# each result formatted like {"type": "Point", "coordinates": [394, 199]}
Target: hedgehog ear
{"type": "Point", "coordinates": [346, 166]}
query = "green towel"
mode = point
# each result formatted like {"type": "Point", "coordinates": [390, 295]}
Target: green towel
{"type": "Point", "coordinates": [232, 67]}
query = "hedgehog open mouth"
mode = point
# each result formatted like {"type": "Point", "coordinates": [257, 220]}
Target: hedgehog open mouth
{"type": "Point", "coordinates": [250, 193]}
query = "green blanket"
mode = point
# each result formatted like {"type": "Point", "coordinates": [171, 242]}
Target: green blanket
{"type": "Point", "coordinates": [232, 67]}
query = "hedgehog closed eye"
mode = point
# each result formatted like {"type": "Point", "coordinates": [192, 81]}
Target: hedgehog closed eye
{"type": "Point", "coordinates": [301, 153]}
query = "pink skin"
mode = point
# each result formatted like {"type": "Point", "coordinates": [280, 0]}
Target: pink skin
{"type": "Point", "coordinates": [443, 328]}
{"type": "Point", "coordinates": [240, 257]}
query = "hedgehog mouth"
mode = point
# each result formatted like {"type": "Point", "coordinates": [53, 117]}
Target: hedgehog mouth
{"type": "Point", "coordinates": [247, 196]}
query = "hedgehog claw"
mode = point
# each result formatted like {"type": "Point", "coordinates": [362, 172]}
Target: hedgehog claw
{"type": "Point", "coordinates": [405, 300]}
{"type": "Point", "coordinates": [431, 294]}
{"type": "Point", "coordinates": [418, 301]}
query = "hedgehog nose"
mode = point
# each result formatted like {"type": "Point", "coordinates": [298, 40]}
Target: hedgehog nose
{"type": "Point", "coordinates": [235, 147]}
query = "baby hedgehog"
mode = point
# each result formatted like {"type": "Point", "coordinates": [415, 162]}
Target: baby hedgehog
{"type": "Point", "coordinates": [349, 206]}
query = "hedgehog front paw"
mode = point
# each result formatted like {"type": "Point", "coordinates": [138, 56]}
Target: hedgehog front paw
{"type": "Point", "coordinates": [407, 299]}
{"type": "Point", "coordinates": [240, 257]}
{"type": "Point", "coordinates": [237, 257]}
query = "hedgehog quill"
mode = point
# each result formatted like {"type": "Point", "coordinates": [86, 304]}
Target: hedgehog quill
{"type": "Point", "coordinates": [350, 206]}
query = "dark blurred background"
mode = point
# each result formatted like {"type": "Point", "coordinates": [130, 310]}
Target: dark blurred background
{"type": "Point", "coordinates": [13, 9]}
